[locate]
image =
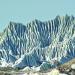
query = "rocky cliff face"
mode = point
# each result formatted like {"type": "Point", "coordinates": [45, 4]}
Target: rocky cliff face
{"type": "Point", "coordinates": [48, 41]}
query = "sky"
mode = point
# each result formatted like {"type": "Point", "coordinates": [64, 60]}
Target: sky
{"type": "Point", "coordinates": [24, 11]}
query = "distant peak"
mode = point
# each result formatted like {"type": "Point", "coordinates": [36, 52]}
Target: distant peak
{"type": "Point", "coordinates": [36, 20]}
{"type": "Point", "coordinates": [13, 23]}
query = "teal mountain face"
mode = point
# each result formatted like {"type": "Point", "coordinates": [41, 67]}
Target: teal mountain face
{"type": "Point", "coordinates": [38, 42]}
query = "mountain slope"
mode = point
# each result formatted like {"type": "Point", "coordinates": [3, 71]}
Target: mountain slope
{"type": "Point", "coordinates": [51, 40]}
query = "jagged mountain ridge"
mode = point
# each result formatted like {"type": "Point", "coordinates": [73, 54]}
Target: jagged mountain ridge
{"type": "Point", "coordinates": [52, 39]}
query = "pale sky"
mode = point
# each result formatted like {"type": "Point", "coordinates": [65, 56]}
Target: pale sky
{"type": "Point", "coordinates": [24, 11]}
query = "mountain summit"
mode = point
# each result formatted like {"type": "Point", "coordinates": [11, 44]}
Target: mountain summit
{"type": "Point", "coordinates": [38, 42]}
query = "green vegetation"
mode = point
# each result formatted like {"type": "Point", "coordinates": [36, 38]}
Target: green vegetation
{"type": "Point", "coordinates": [45, 66]}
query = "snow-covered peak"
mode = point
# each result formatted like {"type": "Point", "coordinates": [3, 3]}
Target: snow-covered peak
{"type": "Point", "coordinates": [51, 40]}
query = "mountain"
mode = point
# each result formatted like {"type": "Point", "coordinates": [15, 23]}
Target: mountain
{"type": "Point", "coordinates": [38, 42]}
